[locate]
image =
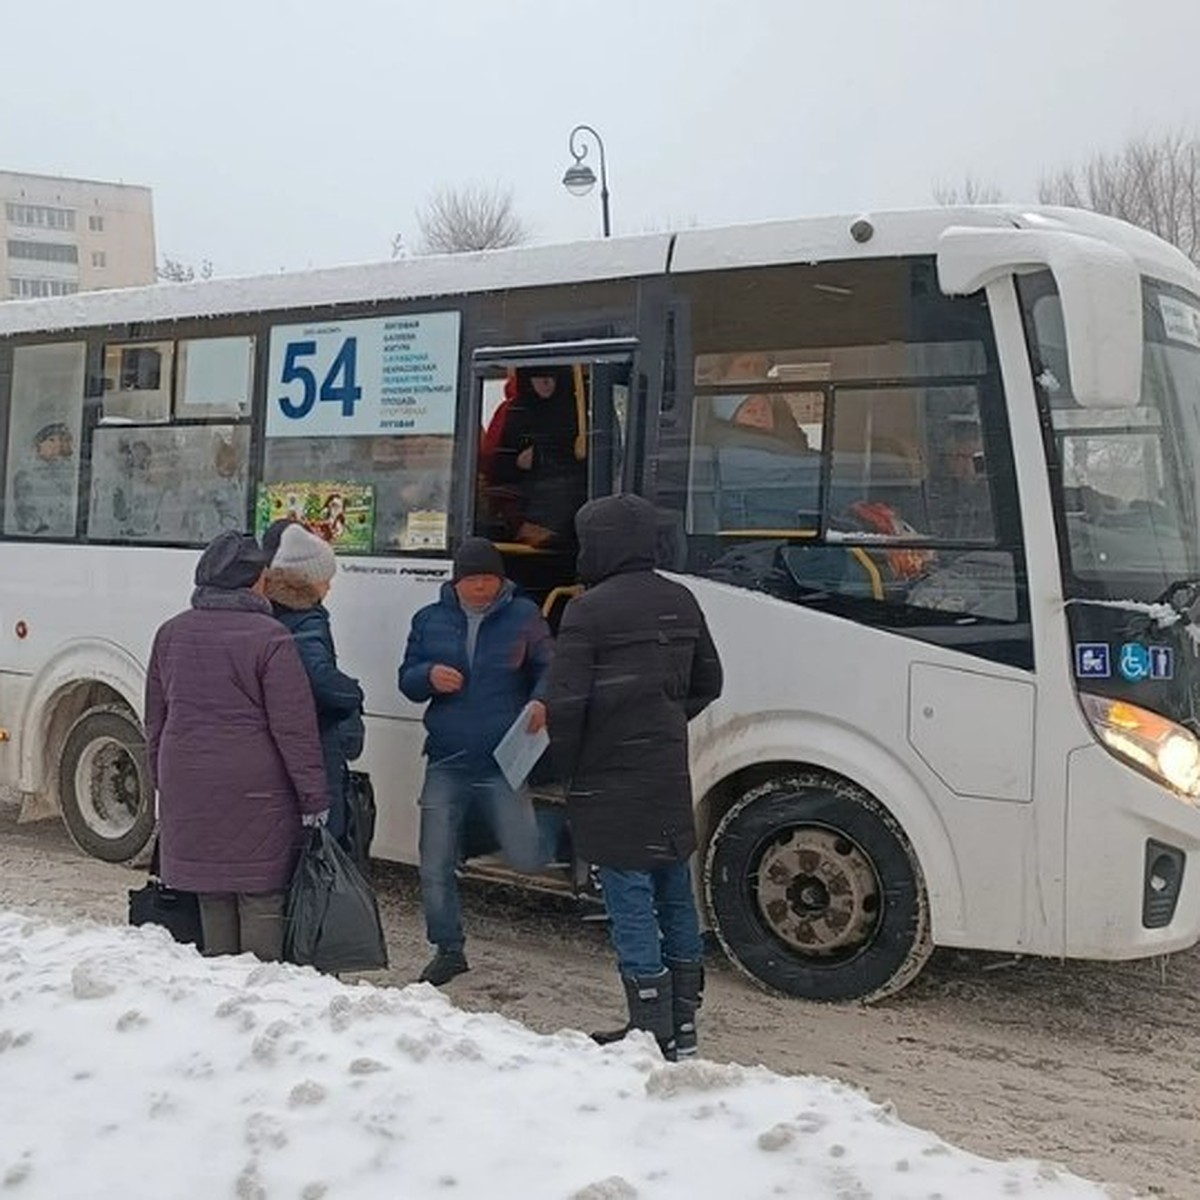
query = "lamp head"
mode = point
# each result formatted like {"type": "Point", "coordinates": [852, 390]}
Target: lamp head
{"type": "Point", "coordinates": [579, 179]}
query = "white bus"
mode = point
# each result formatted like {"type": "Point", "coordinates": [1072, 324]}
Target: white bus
{"type": "Point", "coordinates": [932, 475]}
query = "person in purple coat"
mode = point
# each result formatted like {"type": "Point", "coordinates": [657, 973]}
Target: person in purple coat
{"type": "Point", "coordinates": [233, 750]}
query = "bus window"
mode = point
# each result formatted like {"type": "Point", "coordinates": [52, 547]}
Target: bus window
{"type": "Point", "coordinates": [45, 416]}
{"type": "Point", "coordinates": [175, 484]}
{"type": "Point", "coordinates": [215, 377]}
{"type": "Point", "coordinates": [137, 382]}
{"type": "Point", "coordinates": [862, 470]}
{"type": "Point", "coordinates": [400, 484]}
{"type": "Point", "coordinates": [161, 484]}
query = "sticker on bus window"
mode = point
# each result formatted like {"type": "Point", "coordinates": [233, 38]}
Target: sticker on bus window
{"type": "Point", "coordinates": [1181, 322]}
{"type": "Point", "coordinates": [1092, 660]}
{"type": "Point", "coordinates": [424, 530]}
{"type": "Point", "coordinates": [341, 513]}
{"type": "Point", "coordinates": [388, 375]}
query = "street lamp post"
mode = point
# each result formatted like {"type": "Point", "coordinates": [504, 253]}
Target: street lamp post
{"type": "Point", "coordinates": [580, 178]}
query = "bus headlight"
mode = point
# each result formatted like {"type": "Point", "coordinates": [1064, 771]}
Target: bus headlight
{"type": "Point", "coordinates": [1161, 748]}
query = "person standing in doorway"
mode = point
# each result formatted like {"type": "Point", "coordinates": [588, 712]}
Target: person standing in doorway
{"type": "Point", "coordinates": [634, 662]}
{"type": "Point", "coordinates": [478, 655]}
{"type": "Point", "coordinates": [540, 456]}
{"type": "Point", "coordinates": [233, 752]}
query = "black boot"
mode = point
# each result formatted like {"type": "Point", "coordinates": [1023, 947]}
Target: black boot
{"type": "Point", "coordinates": [687, 994]}
{"type": "Point", "coordinates": [649, 1001]}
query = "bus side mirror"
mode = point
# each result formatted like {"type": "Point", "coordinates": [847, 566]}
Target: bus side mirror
{"type": "Point", "coordinates": [1099, 286]}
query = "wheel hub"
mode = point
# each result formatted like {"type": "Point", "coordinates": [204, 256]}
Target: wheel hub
{"type": "Point", "coordinates": [817, 891]}
{"type": "Point", "coordinates": [108, 786]}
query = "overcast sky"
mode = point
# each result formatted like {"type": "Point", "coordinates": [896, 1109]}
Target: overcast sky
{"type": "Point", "coordinates": [292, 133]}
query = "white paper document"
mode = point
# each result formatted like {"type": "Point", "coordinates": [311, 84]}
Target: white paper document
{"type": "Point", "coordinates": [518, 750]}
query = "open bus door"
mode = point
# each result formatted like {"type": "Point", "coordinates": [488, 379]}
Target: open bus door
{"type": "Point", "coordinates": [587, 413]}
{"type": "Point", "coordinates": [541, 457]}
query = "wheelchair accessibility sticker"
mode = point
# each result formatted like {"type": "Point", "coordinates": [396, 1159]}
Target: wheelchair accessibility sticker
{"type": "Point", "coordinates": [1138, 662]}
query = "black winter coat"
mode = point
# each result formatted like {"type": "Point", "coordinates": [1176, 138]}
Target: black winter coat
{"type": "Point", "coordinates": [633, 663]}
{"type": "Point", "coordinates": [555, 486]}
{"type": "Point", "coordinates": [338, 696]}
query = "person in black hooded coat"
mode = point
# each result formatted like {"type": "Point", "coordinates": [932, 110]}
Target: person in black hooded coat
{"type": "Point", "coordinates": [634, 662]}
{"type": "Point", "coordinates": [540, 458]}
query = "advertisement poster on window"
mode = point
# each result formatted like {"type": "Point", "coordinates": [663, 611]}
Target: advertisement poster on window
{"type": "Point", "coordinates": [341, 513]}
{"type": "Point", "coordinates": [388, 375]}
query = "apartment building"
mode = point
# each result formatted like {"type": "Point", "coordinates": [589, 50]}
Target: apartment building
{"type": "Point", "coordinates": [59, 236]}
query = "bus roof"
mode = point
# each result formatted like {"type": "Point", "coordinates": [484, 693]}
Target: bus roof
{"type": "Point", "coordinates": [892, 234]}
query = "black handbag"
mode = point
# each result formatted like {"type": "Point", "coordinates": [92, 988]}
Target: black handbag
{"type": "Point", "coordinates": [156, 904]}
{"type": "Point", "coordinates": [360, 818]}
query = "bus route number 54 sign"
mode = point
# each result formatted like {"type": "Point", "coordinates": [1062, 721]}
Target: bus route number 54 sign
{"type": "Point", "coordinates": [389, 375]}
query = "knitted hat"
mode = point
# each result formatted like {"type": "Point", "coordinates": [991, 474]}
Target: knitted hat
{"type": "Point", "coordinates": [304, 556]}
{"type": "Point", "coordinates": [230, 561]}
{"type": "Point", "coordinates": [477, 556]}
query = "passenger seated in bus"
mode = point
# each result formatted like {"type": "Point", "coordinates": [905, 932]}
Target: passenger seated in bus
{"type": "Point", "coordinates": [541, 459]}
{"type": "Point", "coordinates": [765, 476]}
{"type": "Point", "coordinates": [43, 491]}
{"type": "Point", "coordinates": [773, 416]}
{"type": "Point", "coordinates": [960, 500]}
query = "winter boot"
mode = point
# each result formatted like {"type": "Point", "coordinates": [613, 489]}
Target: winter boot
{"type": "Point", "coordinates": [649, 1000]}
{"type": "Point", "coordinates": [687, 994]}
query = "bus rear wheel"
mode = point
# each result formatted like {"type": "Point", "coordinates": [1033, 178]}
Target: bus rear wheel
{"type": "Point", "coordinates": [815, 891]}
{"type": "Point", "coordinates": [107, 803]}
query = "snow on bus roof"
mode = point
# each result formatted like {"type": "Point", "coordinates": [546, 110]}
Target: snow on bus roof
{"type": "Point", "coordinates": [429, 277]}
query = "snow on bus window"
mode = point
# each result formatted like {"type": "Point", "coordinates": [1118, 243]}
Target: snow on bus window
{"type": "Point", "coordinates": [46, 412]}
{"type": "Point", "coordinates": [179, 485]}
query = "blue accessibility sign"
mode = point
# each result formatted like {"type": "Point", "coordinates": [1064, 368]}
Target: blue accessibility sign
{"type": "Point", "coordinates": [1134, 662]}
{"type": "Point", "coordinates": [1092, 660]}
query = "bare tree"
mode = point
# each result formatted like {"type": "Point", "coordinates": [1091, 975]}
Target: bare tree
{"type": "Point", "coordinates": [1151, 182]}
{"type": "Point", "coordinates": [175, 270]}
{"type": "Point", "coordinates": [971, 192]}
{"type": "Point", "coordinates": [456, 220]}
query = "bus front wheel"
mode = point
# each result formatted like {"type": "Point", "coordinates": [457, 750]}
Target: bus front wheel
{"type": "Point", "coordinates": [815, 891]}
{"type": "Point", "coordinates": [106, 800]}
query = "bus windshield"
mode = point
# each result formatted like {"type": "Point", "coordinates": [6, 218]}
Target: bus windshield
{"type": "Point", "coordinates": [1127, 481]}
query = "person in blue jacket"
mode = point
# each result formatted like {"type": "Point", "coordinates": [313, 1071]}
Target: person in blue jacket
{"type": "Point", "coordinates": [478, 655]}
{"type": "Point", "coordinates": [301, 573]}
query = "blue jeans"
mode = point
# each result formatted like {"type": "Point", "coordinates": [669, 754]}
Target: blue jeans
{"type": "Point", "coordinates": [452, 790]}
{"type": "Point", "coordinates": [652, 918]}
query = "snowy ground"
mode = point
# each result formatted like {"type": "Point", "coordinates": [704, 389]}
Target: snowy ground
{"type": "Point", "coordinates": [132, 1067]}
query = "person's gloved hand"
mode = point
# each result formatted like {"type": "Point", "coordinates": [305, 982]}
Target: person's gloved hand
{"type": "Point", "coordinates": [317, 818]}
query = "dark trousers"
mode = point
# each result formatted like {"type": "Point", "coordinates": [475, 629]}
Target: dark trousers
{"type": "Point", "coordinates": [237, 922]}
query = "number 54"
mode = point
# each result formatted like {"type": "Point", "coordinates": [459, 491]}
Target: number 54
{"type": "Point", "coordinates": [338, 386]}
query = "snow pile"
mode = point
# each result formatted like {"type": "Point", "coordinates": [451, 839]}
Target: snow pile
{"type": "Point", "coordinates": [131, 1067]}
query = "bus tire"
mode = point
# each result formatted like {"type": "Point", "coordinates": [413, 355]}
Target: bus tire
{"type": "Point", "coordinates": [815, 892]}
{"type": "Point", "coordinates": [107, 802]}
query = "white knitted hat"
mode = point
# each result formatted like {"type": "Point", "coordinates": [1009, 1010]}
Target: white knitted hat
{"type": "Point", "coordinates": [304, 555]}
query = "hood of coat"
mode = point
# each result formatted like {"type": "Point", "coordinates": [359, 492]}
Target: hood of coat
{"type": "Point", "coordinates": [286, 589]}
{"type": "Point", "coordinates": [616, 534]}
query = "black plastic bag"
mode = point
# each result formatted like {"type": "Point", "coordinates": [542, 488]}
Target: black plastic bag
{"type": "Point", "coordinates": [360, 819]}
{"type": "Point", "coordinates": [332, 920]}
